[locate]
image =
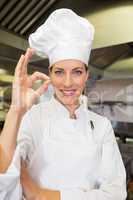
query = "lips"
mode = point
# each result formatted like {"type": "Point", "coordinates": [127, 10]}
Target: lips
{"type": "Point", "coordinates": [68, 92]}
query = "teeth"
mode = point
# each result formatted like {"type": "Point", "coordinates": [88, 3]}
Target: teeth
{"type": "Point", "coordinates": [70, 92]}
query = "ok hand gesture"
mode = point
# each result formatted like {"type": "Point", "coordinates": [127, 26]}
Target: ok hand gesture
{"type": "Point", "coordinates": [23, 96]}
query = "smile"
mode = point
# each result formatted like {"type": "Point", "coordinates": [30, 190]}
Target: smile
{"type": "Point", "coordinates": [68, 92]}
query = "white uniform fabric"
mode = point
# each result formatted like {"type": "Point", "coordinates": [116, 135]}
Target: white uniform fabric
{"type": "Point", "coordinates": [67, 155]}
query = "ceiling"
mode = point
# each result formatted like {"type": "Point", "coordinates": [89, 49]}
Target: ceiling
{"type": "Point", "coordinates": [22, 16]}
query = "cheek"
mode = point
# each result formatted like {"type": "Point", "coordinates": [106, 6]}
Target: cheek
{"type": "Point", "coordinates": [55, 82]}
{"type": "Point", "coordinates": [81, 83]}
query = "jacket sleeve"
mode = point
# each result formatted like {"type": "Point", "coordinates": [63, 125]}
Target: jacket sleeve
{"type": "Point", "coordinates": [112, 176]}
{"type": "Point", "coordinates": [10, 187]}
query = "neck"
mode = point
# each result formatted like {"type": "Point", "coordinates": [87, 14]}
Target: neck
{"type": "Point", "coordinates": [71, 108]}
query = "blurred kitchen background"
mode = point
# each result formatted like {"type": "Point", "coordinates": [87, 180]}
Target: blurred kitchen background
{"type": "Point", "coordinates": [109, 89]}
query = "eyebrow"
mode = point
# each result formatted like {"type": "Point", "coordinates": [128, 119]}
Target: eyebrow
{"type": "Point", "coordinates": [76, 68]}
{"type": "Point", "coordinates": [58, 68]}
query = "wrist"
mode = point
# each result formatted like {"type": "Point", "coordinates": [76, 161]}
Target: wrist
{"type": "Point", "coordinates": [16, 112]}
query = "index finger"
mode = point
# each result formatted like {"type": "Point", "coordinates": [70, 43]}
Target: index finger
{"type": "Point", "coordinates": [28, 55]}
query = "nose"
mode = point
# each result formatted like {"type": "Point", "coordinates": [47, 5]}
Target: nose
{"type": "Point", "coordinates": [68, 81]}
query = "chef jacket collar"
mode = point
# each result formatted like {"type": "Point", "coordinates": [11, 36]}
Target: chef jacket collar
{"type": "Point", "coordinates": [60, 108]}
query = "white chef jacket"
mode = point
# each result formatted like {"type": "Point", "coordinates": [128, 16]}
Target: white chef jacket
{"type": "Point", "coordinates": [79, 157]}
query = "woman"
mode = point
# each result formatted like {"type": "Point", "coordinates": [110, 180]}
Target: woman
{"type": "Point", "coordinates": [65, 151]}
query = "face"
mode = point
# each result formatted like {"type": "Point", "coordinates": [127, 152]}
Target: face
{"type": "Point", "coordinates": [68, 78]}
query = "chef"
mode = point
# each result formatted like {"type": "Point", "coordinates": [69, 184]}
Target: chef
{"type": "Point", "coordinates": [58, 150]}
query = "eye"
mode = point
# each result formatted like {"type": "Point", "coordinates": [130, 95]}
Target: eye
{"type": "Point", "coordinates": [58, 72]}
{"type": "Point", "coordinates": [77, 72]}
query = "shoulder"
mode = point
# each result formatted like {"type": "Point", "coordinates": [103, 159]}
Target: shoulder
{"type": "Point", "coordinates": [97, 117]}
{"type": "Point", "coordinates": [36, 112]}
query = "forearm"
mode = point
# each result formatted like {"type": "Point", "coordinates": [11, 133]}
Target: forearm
{"type": "Point", "coordinates": [44, 194]}
{"type": "Point", "coordinates": [8, 138]}
{"type": "Point", "coordinates": [34, 192]}
{"type": "Point", "coordinates": [48, 195]}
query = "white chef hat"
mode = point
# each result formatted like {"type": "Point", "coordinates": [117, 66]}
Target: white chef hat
{"type": "Point", "coordinates": [64, 35]}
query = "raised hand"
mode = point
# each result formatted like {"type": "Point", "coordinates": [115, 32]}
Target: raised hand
{"type": "Point", "coordinates": [23, 95]}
